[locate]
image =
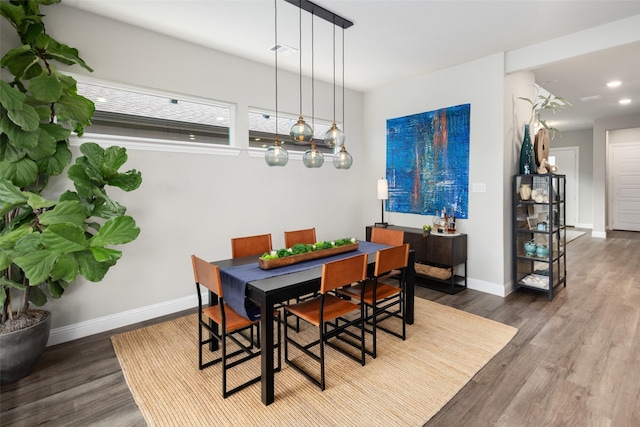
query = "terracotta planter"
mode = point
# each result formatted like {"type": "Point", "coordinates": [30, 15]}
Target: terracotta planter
{"type": "Point", "coordinates": [20, 350]}
{"type": "Point", "coordinates": [267, 264]}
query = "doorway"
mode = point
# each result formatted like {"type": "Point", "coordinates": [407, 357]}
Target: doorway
{"type": "Point", "coordinates": [624, 180]}
{"type": "Point", "coordinates": [567, 159]}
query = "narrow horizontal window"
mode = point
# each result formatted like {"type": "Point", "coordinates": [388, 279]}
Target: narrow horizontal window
{"type": "Point", "coordinates": [127, 112]}
{"type": "Point", "coordinates": [262, 130]}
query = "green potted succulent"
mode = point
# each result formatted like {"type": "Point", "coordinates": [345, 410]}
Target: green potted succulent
{"type": "Point", "coordinates": [47, 240]}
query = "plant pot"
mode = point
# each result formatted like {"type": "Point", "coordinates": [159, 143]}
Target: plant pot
{"type": "Point", "coordinates": [20, 350]}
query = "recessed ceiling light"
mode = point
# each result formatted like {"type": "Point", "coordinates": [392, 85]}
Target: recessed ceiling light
{"type": "Point", "coordinates": [614, 83]}
{"type": "Point", "coordinates": [283, 49]}
{"type": "Point", "coordinates": [101, 99]}
{"type": "Point", "coordinates": [625, 101]}
{"type": "Point", "coordinates": [590, 98]}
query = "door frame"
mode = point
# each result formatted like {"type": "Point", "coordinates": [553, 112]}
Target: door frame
{"type": "Point", "coordinates": [609, 174]}
{"type": "Point", "coordinates": [576, 179]}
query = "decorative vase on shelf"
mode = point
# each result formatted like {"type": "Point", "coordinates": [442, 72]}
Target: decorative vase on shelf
{"type": "Point", "coordinates": [525, 191]}
{"type": "Point", "coordinates": [527, 162]}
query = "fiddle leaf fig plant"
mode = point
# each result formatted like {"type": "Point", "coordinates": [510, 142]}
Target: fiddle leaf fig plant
{"type": "Point", "coordinates": [48, 240]}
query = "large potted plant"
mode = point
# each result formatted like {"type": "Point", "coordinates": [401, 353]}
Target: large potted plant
{"type": "Point", "coordinates": [47, 240]}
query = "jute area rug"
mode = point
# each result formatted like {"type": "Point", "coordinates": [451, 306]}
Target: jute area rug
{"type": "Point", "coordinates": [405, 385]}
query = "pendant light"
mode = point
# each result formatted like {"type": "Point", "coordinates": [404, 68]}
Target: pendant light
{"type": "Point", "coordinates": [342, 159]}
{"type": "Point", "coordinates": [334, 136]}
{"type": "Point", "coordinates": [301, 133]}
{"type": "Point", "coordinates": [276, 155]}
{"type": "Point", "coordinates": [313, 158]}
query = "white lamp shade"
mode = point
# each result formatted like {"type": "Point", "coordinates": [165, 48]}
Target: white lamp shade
{"type": "Point", "coordinates": [383, 189]}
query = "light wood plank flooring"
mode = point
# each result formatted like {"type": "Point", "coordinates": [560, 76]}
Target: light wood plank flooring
{"type": "Point", "coordinates": [574, 362]}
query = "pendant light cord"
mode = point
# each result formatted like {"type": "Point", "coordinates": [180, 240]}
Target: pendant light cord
{"type": "Point", "coordinates": [343, 126]}
{"type": "Point", "coordinates": [313, 83]}
{"type": "Point", "coordinates": [275, 8]}
{"type": "Point", "coordinates": [300, 57]}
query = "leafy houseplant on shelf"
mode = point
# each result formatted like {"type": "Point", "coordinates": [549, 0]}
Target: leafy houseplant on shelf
{"type": "Point", "coordinates": [47, 240]}
{"type": "Point", "coordinates": [536, 155]}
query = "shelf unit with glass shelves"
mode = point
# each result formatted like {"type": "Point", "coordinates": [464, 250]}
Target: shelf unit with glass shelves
{"type": "Point", "coordinates": [539, 232]}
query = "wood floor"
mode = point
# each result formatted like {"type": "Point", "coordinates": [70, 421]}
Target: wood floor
{"type": "Point", "coordinates": [574, 362]}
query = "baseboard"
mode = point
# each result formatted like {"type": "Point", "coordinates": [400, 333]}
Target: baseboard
{"type": "Point", "coordinates": [487, 287]}
{"type": "Point", "coordinates": [589, 226]}
{"type": "Point", "coordinates": [118, 320]}
{"type": "Point", "coordinates": [600, 234]}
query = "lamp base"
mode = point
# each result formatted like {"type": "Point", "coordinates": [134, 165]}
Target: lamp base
{"type": "Point", "coordinates": [381, 224]}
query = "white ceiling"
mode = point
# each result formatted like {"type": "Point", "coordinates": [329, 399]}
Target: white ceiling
{"type": "Point", "coordinates": [393, 40]}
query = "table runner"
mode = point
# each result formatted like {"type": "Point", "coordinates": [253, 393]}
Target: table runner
{"type": "Point", "coordinates": [235, 279]}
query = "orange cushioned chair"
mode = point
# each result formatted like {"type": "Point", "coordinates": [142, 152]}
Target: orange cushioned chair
{"type": "Point", "coordinates": [324, 312]}
{"type": "Point", "coordinates": [306, 236]}
{"type": "Point", "coordinates": [223, 323]}
{"type": "Point", "coordinates": [386, 236]}
{"type": "Point", "coordinates": [383, 297]}
{"type": "Point", "coordinates": [250, 245]}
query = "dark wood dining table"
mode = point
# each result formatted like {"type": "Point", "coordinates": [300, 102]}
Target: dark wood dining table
{"type": "Point", "coordinates": [266, 293]}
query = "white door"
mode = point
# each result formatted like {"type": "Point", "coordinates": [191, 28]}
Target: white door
{"type": "Point", "coordinates": [625, 186]}
{"type": "Point", "coordinates": [566, 158]}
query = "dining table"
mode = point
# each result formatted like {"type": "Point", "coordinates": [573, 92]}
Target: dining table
{"type": "Point", "coordinates": [254, 293]}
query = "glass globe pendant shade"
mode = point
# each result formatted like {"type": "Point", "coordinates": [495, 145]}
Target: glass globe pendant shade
{"type": "Point", "coordinates": [334, 136]}
{"type": "Point", "coordinates": [313, 158]}
{"type": "Point", "coordinates": [301, 133]}
{"type": "Point", "coordinates": [276, 155]}
{"type": "Point", "coordinates": [342, 159]}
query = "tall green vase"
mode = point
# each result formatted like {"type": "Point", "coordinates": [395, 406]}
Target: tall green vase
{"type": "Point", "coordinates": [527, 161]}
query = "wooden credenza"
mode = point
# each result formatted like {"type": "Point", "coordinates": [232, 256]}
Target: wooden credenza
{"type": "Point", "coordinates": [434, 255]}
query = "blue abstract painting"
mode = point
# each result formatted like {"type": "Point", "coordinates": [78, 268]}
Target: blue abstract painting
{"type": "Point", "coordinates": [428, 162]}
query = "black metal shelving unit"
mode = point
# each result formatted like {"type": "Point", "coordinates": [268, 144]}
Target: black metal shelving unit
{"type": "Point", "coordinates": [539, 218]}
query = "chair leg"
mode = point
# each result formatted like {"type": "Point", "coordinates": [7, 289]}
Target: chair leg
{"type": "Point", "coordinates": [321, 329]}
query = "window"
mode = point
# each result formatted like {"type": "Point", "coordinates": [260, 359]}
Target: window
{"type": "Point", "coordinates": [142, 114]}
{"type": "Point", "coordinates": [262, 129]}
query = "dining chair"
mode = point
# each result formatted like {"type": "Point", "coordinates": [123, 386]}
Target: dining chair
{"type": "Point", "coordinates": [384, 300]}
{"type": "Point", "coordinates": [306, 236]}
{"type": "Point", "coordinates": [224, 324]}
{"type": "Point", "coordinates": [325, 313]}
{"type": "Point", "coordinates": [387, 236]}
{"type": "Point", "coordinates": [250, 245]}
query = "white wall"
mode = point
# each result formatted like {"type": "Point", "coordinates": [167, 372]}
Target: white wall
{"type": "Point", "coordinates": [481, 84]}
{"type": "Point", "coordinates": [194, 203]}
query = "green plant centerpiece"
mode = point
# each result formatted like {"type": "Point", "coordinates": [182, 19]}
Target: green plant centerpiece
{"type": "Point", "coordinates": [303, 252]}
{"type": "Point", "coordinates": [47, 240]}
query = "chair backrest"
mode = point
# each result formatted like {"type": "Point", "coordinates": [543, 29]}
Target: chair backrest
{"type": "Point", "coordinates": [250, 245]}
{"type": "Point", "coordinates": [387, 236]}
{"type": "Point", "coordinates": [343, 272]}
{"type": "Point", "coordinates": [391, 259]}
{"type": "Point", "coordinates": [207, 275]}
{"type": "Point", "coordinates": [306, 236]}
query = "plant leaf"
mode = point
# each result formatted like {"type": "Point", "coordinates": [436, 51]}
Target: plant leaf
{"type": "Point", "coordinates": [65, 268]}
{"type": "Point", "coordinates": [91, 269]}
{"type": "Point", "coordinates": [68, 212]}
{"type": "Point", "coordinates": [116, 231]}
{"type": "Point", "coordinates": [22, 173]}
{"type": "Point", "coordinates": [127, 181]}
{"type": "Point", "coordinates": [55, 164]}
{"type": "Point", "coordinates": [10, 98]}
{"type": "Point", "coordinates": [37, 297]}
{"type": "Point", "coordinates": [36, 201]}
{"type": "Point", "coordinates": [64, 238]}
{"type": "Point", "coordinates": [36, 265]}
{"type": "Point", "coordinates": [9, 193]}
{"type": "Point", "coordinates": [27, 118]}
{"type": "Point", "coordinates": [46, 88]}
{"type": "Point", "coordinates": [104, 254]}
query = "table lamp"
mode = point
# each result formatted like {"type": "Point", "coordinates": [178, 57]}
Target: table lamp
{"type": "Point", "coordinates": [383, 194]}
